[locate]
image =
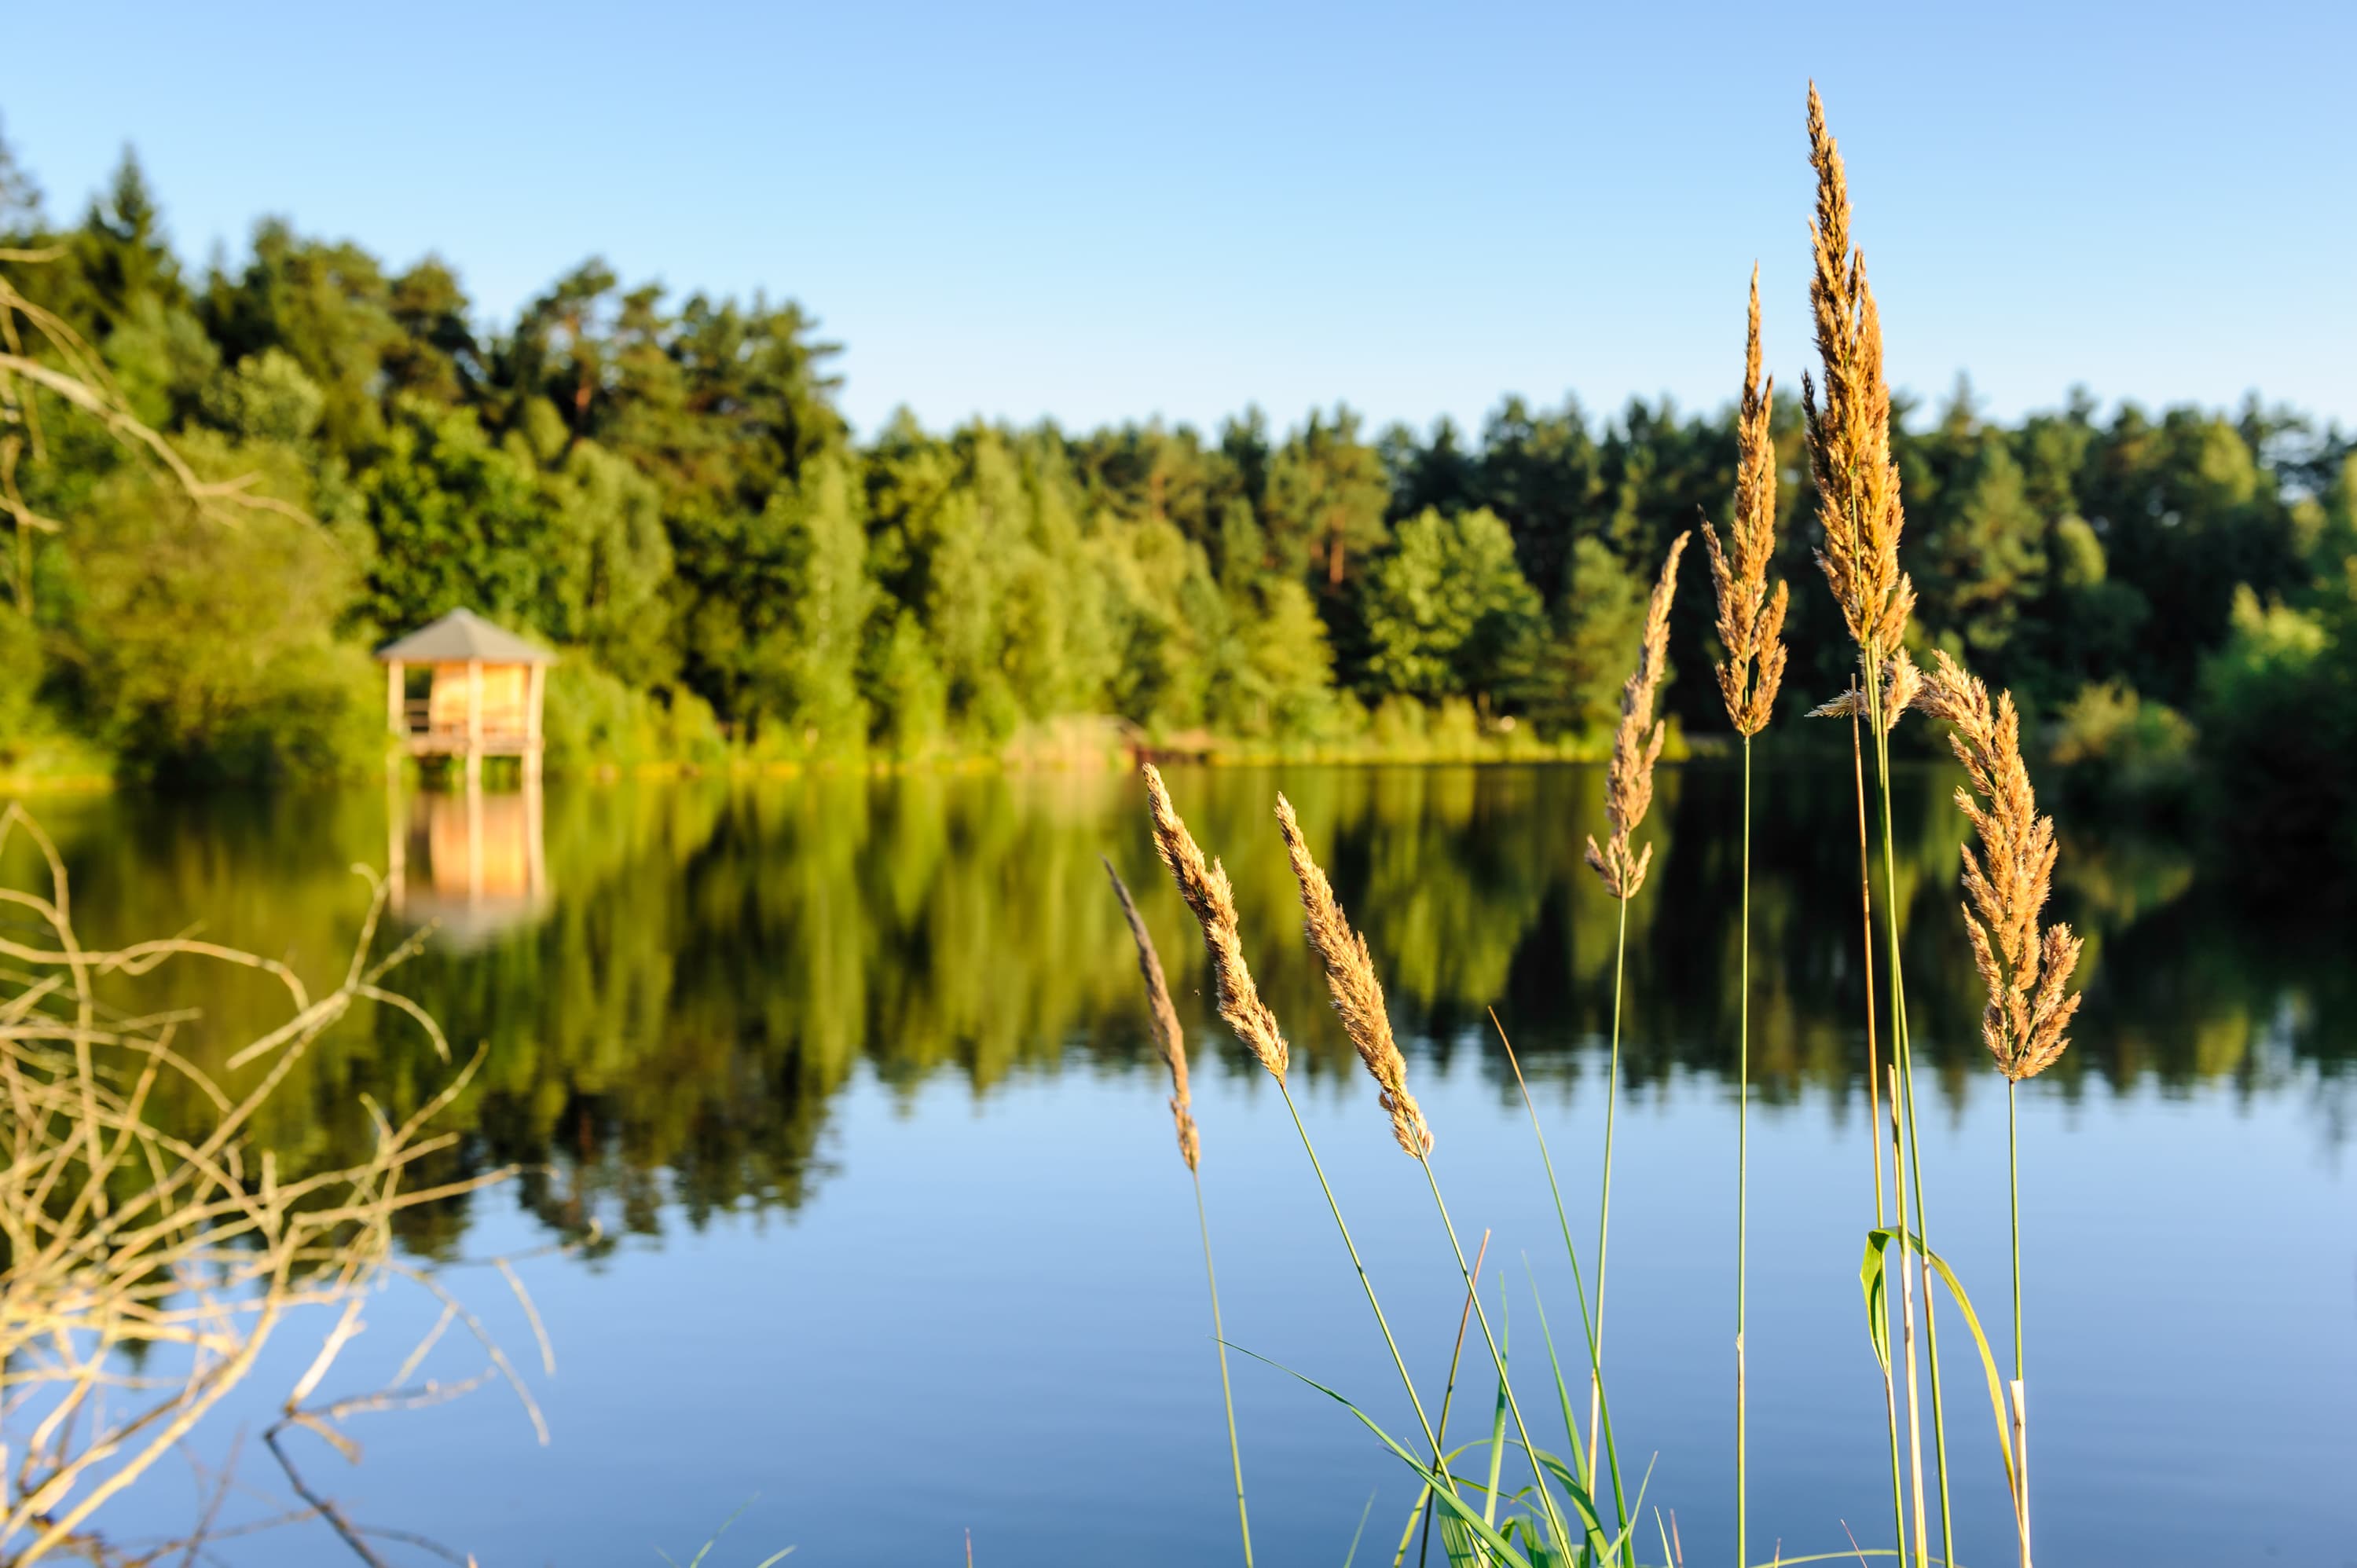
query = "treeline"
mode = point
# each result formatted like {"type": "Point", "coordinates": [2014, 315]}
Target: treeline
{"type": "Point", "coordinates": [667, 490]}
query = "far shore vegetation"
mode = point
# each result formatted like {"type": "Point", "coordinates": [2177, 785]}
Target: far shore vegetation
{"type": "Point", "coordinates": [665, 489]}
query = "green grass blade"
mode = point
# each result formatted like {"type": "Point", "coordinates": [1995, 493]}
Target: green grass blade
{"type": "Point", "coordinates": [1352, 1556]}
{"type": "Point", "coordinates": [1972, 1320]}
{"type": "Point", "coordinates": [1457, 1507]}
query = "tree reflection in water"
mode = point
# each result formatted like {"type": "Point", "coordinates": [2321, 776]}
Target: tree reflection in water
{"type": "Point", "coordinates": [713, 960]}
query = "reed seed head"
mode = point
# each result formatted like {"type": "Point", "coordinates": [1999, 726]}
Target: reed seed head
{"type": "Point", "coordinates": [2025, 969]}
{"type": "Point", "coordinates": [1168, 1038]}
{"type": "Point", "coordinates": [1849, 426]}
{"type": "Point", "coordinates": [1358, 995]}
{"type": "Point", "coordinates": [1636, 745]}
{"type": "Point", "coordinates": [1750, 622]}
{"type": "Point", "coordinates": [1205, 888]}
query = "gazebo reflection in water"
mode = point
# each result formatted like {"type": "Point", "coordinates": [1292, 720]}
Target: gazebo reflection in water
{"type": "Point", "coordinates": [472, 860]}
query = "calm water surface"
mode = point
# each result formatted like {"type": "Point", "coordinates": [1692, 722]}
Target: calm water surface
{"type": "Point", "coordinates": [853, 1204]}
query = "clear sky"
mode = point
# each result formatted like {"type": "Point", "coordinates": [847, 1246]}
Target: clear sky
{"type": "Point", "coordinates": [1106, 212]}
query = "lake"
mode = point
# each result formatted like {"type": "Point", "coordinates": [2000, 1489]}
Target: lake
{"type": "Point", "coordinates": [852, 1210]}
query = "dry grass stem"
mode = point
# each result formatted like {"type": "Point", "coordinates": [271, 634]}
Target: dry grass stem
{"type": "Point", "coordinates": [1849, 424]}
{"type": "Point", "coordinates": [146, 1262]}
{"type": "Point", "coordinates": [1167, 1036]}
{"type": "Point", "coordinates": [1358, 995]}
{"type": "Point", "coordinates": [1636, 745]}
{"type": "Point", "coordinates": [2006, 886]}
{"type": "Point", "coordinates": [1204, 886]}
{"type": "Point", "coordinates": [1750, 620]}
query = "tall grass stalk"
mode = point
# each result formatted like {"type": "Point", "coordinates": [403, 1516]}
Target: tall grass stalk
{"type": "Point", "coordinates": [1903, 1096]}
{"type": "Point", "coordinates": [1874, 1102]}
{"type": "Point", "coordinates": [1743, 1182]}
{"type": "Point", "coordinates": [1579, 1287]}
{"type": "Point", "coordinates": [1628, 796]}
{"type": "Point", "coordinates": [2026, 969]}
{"type": "Point", "coordinates": [1751, 628]}
{"type": "Point", "coordinates": [1358, 999]}
{"type": "Point", "coordinates": [1227, 1394]}
{"type": "Point", "coordinates": [1858, 500]}
{"type": "Point", "coordinates": [1171, 1041]}
{"type": "Point", "coordinates": [1374, 1304]}
{"type": "Point", "coordinates": [1447, 1397]}
{"type": "Point", "coordinates": [1604, 1198]}
{"type": "Point", "coordinates": [1205, 888]}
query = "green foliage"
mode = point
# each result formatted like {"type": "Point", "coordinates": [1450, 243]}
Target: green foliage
{"type": "Point", "coordinates": [1448, 611]}
{"type": "Point", "coordinates": [593, 721]}
{"type": "Point", "coordinates": [2278, 705]}
{"type": "Point", "coordinates": [208, 651]}
{"type": "Point", "coordinates": [667, 490]}
{"type": "Point", "coordinates": [1575, 684]}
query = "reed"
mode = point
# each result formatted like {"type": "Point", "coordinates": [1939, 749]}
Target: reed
{"type": "Point", "coordinates": [1750, 629]}
{"type": "Point", "coordinates": [1848, 435]}
{"type": "Point", "coordinates": [2025, 967]}
{"type": "Point", "coordinates": [1628, 796]}
{"type": "Point", "coordinates": [1358, 999]}
{"type": "Point", "coordinates": [1171, 1041]}
{"type": "Point", "coordinates": [1204, 886]}
{"type": "Point", "coordinates": [1851, 704]}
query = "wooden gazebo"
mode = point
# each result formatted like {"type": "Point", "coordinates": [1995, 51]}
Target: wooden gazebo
{"type": "Point", "coordinates": [484, 696]}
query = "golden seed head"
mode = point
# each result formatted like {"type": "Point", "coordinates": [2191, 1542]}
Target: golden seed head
{"type": "Point", "coordinates": [1204, 886]}
{"type": "Point", "coordinates": [1168, 1038]}
{"type": "Point", "coordinates": [1750, 623]}
{"type": "Point", "coordinates": [1849, 429]}
{"type": "Point", "coordinates": [2006, 887]}
{"type": "Point", "coordinates": [1358, 995]}
{"type": "Point", "coordinates": [1636, 744]}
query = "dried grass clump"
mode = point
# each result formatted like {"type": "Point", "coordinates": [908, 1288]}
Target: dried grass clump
{"type": "Point", "coordinates": [1167, 1036]}
{"type": "Point", "coordinates": [1358, 995]}
{"type": "Point", "coordinates": [1849, 430]}
{"type": "Point", "coordinates": [1750, 622]}
{"type": "Point", "coordinates": [2007, 885]}
{"type": "Point", "coordinates": [1636, 745]}
{"type": "Point", "coordinates": [1204, 886]}
{"type": "Point", "coordinates": [144, 1266]}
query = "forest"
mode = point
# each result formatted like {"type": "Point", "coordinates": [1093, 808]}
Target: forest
{"type": "Point", "coordinates": [665, 489]}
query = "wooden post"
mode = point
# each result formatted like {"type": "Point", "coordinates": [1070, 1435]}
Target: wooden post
{"type": "Point", "coordinates": [535, 851]}
{"type": "Point", "coordinates": [474, 723]}
{"type": "Point", "coordinates": [535, 685]}
{"type": "Point", "coordinates": [474, 832]}
{"type": "Point", "coordinates": [396, 698]}
{"type": "Point", "coordinates": [396, 841]}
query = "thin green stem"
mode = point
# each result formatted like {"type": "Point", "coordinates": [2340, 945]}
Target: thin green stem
{"type": "Point", "coordinates": [1555, 1524]}
{"type": "Point", "coordinates": [1743, 1175]}
{"type": "Point", "coordinates": [1447, 1397]}
{"type": "Point", "coordinates": [1227, 1397]}
{"type": "Point", "coordinates": [2020, 1416]}
{"type": "Point", "coordinates": [1578, 1283]}
{"type": "Point", "coordinates": [2013, 1180]}
{"type": "Point", "coordinates": [1439, 1457]}
{"type": "Point", "coordinates": [1903, 1035]}
{"type": "Point", "coordinates": [1874, 1113]}
{"type": "Point", "coordinates": [1901, 1102]}
{"type": "Point", "coordinates": [1604, 1202]}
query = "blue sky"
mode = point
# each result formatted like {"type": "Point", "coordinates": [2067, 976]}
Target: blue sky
{"type": "Point", "coordinates": [1111, 212]}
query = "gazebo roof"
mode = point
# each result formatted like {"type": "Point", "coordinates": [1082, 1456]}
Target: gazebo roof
{"type": "Point", "coordinates": [459, 637]}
